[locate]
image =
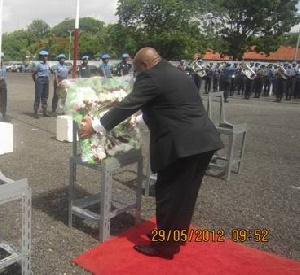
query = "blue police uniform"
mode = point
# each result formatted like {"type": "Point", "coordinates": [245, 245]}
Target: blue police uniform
{"type": "Point", "coordinates": [225, 80]}
{"type": "Point", "coordinates": [41, 72]}
{"type": "Point", "coordinates": [3, 91]}
{"type": "Point", "coordinates": [61, 71]}
{"type": "Point", "coordinates": [104, 68]}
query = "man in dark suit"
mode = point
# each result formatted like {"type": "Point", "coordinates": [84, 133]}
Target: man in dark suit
{"type": "Point", "coordinates": [182, 142]}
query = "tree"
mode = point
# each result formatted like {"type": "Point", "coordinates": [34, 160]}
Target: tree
{"type": "Point", "coordinates": [87, 24]}
{"type": "Point", "coordinates": [163, 24]}
{"type": "Point", "coordinates": [247, 22]}
{"type": "Point", "coordinates": [39, 28]}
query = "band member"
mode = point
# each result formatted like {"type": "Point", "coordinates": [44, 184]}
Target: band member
{"type": "Point", "coordinates": [233, 79]}
{"type": "Point", "coordinates": [274, 79]}
{"type": "Point", "coordinates": [208, 78]}
{"type": "Point", "coordinates": [182, 65]}
{"type": "Point", "coordinates": [291, 74]}
{"type": "Point", "coordinates": [199, 72]}
{"type": "Point", "coordinates": [258, 82]}
{"type": "Point", "coordinates": [216, 77]}
{"type": "Point", "coordinates": [267, 80]}
{"type": "Point", "coordinates": [240, 81]}
{"type": "Point", "coordinates": [281, 83]}
{"type": "Point", "coordinates": [225, 80]}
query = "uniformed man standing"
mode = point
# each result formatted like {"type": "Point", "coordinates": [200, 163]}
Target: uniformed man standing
{"type": "Point", "coordinates": [124, 67]}
{"type": "Point", "coordinates": [225, 80]}
{"type": "Point", "coordinates": [104, 68]}
{"type": "Point", "coordinates": [258, 82]}
{"type": "Point", "coordinates": [281, 83]}
{"type": "Point", "coordinates": [216, 77]}
{"type": "Point", "coordinates": [3, 89]}
{"type": "Point", "coordinates": [291, 74]}
{"type": "Point", "coordinates": [61, 72]}
{"type": "Point", "coordinates": [40, 76]}
{"type": "Point", "coordinates": [267, 80]}
{"type": "Point", "coordinates": [208, 78]}
{"type": "Point", "coordinates": [84, 69]}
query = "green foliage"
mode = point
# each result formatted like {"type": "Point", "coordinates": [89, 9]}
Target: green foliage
{"type": "Point", "coordinates": [163, 24]}
{"type": "Point", "coordinates": [39, 28]}
{"type": "Point", "coordinates": [176, 28]}
{"type": "Point", "coordinates": [247, 22]}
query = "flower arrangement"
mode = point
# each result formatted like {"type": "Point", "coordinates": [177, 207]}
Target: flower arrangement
{"type": "Point", "coordinates": [93, 97]}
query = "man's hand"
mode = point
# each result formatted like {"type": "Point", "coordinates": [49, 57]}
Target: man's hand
{"type": "Point", "coordinates": [86, 130]}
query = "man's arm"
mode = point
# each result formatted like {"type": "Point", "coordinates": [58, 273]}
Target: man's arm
{"type": "Point", "coordinates": [143, 92]}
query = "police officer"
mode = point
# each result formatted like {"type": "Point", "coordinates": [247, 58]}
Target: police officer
{"type": "Point", "coordinates": [240, 81]}
{"type": "Point", "coordinates": [216, 77]}
{"type": "Point", "coordinates": [197, 67]}
{"type": "Point", "coordinates": [85, 69]}
{"type": "Point", "coordinates": [104, 68]}
{"type": "Point", "coordinates": [267, 79]}
{"type": "Point", "coordinates": [124, 67]}
{"type": "Point", "coordinates": [208, 78]}
{"type": "Point", "coordinates": [3, 89]}
{"type": "Point", "coordinates": [281, 84]}
{"type": "Point", "coordinates": [40, 76]}
{"type": "Point", "coordinates": [291, 74]}
{"type": "Point", "coordinates": [225, 80]}
{"type": "Point", "coordinates": [182, 65]}
{"type": "Point", "coordinates": [258, 82]}
{"type": "Point", "coordinates": [61, 72]}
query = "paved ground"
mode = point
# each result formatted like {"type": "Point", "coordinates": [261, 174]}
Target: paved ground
{"type": "Point", "coordinates": [265, 195]}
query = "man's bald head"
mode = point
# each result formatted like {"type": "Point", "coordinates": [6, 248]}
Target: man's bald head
{"type": "Point", "coordinates": [146, 58]}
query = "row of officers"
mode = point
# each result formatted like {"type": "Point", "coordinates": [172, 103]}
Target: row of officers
{"type": "Point", "coordinates": [257, 79]}
{"type": "Point", "coordinates": [41, 72]}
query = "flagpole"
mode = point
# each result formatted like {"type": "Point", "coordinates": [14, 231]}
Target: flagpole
{"type": "Point", "coordinates": [1, 19]}
{"type": "Point", "coordinates": [76, 40]}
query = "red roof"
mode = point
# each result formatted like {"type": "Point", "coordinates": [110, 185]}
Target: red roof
{"type": "Point", "coordinates": [282, 54]}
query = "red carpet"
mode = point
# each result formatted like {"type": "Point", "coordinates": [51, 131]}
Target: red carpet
{"type": "Point", "coordinates": [117, 257]}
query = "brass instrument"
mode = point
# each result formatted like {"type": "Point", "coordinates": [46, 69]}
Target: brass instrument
{"type": "Point", "coordinates": [247, 71]}
{"type": "Point", "coordinates": [282, 72]}
{"type": "Point", "coordinates": [199, 69]}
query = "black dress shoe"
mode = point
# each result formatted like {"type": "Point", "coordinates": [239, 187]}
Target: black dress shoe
{"type": "Point", "coordinates": [153, 250]}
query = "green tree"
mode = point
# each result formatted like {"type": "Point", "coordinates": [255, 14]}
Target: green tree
{"type": "Point", "coordinates": [163, 24]}
{"type": "Point", "coordinates": [87, 24]}
{"type": "Point", "coordinates": [39, 29]}
{"type": "Point", "coordinates": [247, 23]}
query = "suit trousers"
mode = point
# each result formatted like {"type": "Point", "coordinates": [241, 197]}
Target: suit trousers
{"type": "Point", "coordinates": [41, 93]}
{"type": "Point", "coordinates": [176, 191]}
{"type": "Point", "coordinates": [3, 97]}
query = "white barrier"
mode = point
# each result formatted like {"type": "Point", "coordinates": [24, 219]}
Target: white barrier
{"type": "Point", "coordinates": [6, 138]}
{"type": "Point", "coordinates": [64, 128]}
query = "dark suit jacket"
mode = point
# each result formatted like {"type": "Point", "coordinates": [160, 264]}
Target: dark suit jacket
{"type": "Point", "coordinates": [174, 113]}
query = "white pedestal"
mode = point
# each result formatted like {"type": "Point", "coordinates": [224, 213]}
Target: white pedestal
{"type": "Point", "coordinates": [6, 138]}
{"type": "Point", "coordinates": [64, 129]}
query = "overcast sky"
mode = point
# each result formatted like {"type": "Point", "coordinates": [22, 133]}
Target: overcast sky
{"type": "Point", "coordinates": [18, 14]}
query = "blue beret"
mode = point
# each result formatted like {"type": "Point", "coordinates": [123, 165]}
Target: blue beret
{"type": "Point", "coordinates": [43, 53]}
{"type": "Point", "coordinates": [104, 56]}
{"type": "Point", "coordinates": [61, 56]}
{"type": "Point", "coordinates": [85, 57]}
{"type": "Point", "coordinates": [125, 55]}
